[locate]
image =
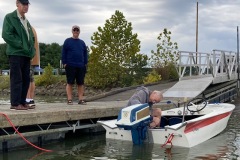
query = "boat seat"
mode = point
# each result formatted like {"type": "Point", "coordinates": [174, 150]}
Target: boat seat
{"type": "Point", "coordinates": [164, 122]}
{"type": "Point", "coordinates": [174, 120]}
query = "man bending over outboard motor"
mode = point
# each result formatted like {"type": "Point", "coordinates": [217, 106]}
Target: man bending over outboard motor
{"type": "Point", "coordinates": [144, 95]}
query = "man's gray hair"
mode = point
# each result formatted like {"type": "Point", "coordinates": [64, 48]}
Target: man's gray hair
{"type": "Point", "coordinates": [158, 94]}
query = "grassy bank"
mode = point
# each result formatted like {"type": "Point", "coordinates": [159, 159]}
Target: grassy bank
{"type": "Point", "coordinates": [4, 82]}
{"type": "Point", "coordinates": [39, 80]}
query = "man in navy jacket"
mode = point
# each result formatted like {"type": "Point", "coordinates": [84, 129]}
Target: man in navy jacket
{"type": "Point", "coordinates": [74, 60]}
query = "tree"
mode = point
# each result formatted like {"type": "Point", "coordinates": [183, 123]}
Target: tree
{"type": "Point", "coordinates": [53, 55]}
{"type": "Point", "coordinates": [42, 50]}
{"type": "Point", "coordinates": [50, 54]}
{"type": "Point", "coordinates": [166, 50]}
{"type": "Point", "coordinates": [137, 72]}
{"type": "Point", "coordinates": [4, 64]}
{"type": "Point", "coordinates": [114, 54]}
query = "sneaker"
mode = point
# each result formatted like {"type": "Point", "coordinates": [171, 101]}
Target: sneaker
{"type": "Point", "coordinates": [31, 103]}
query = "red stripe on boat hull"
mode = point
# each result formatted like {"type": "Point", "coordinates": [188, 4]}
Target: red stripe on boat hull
{"type": "Point", "coordinates": [205, 122]}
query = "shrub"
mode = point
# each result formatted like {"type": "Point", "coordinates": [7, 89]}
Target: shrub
{"type": "Point", "coordinates": [4, 82]}
{"type": "Point", "coordinates": [173, 74]}
{"type": "Point", "coordinates": [168, 72]}
{"type": "Point", "coordinates": [152, 77]}
{"type": "Point", "coordinates": [47, 78]}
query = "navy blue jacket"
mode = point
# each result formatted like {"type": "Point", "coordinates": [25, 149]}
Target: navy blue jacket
{"type": "Point", "coordinates": [74, 53]}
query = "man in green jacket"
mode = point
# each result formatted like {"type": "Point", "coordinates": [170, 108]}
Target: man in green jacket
{"type": "Point", "coordinates": [17, 33]}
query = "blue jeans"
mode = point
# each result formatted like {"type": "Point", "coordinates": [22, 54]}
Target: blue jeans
{"type": "Point", "coordinates": [19, 79]}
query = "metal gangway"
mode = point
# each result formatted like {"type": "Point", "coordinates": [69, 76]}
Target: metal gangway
{"type": "Point", "coordinates": [198, 70]}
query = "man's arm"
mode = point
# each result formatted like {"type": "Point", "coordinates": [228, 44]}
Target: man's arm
{"type": "Point", "coordinates": [8, 36]}
{"type": "Point", "coordinates": [85, 55]}
{"type": "Point", "coordinates": [64, 53]}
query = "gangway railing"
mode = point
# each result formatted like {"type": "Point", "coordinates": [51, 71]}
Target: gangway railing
{"type": "Point", "coordinates": [221, 65]}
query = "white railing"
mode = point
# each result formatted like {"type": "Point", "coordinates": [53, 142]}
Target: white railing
{"type": "Point", "coordinates": [221, 65]}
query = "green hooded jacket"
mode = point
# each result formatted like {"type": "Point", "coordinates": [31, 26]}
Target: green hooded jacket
{"type": "Point", "coordinates": [14, 34]}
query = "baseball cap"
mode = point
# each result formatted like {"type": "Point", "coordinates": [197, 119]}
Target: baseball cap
{"type": "Point", "coordinates": [24, 1]}
{"type": "Point", "coordinates": [75, 26]}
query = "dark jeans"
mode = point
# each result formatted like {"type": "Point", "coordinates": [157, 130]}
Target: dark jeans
{"type": "Point", "coordinates": [19, 79]}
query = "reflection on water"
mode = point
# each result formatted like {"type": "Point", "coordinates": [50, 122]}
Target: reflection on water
{"type": "Point", "coordinates": [224, 146]}
{"type": "Point", "coordinates": [96, 148]}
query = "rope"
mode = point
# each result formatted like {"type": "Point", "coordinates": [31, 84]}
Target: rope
{"type": "Point", "coordinates": [10, 122]}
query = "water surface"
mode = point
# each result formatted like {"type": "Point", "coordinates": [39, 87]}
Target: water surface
{"type": "Point", "coordinates": [95, 147]}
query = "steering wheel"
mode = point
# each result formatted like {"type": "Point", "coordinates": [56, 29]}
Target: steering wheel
{"type": "Point", "coordinates": [198, 104]}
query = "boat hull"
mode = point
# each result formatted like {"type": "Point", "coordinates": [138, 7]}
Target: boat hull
{"type": "Point", "coordinates": [189, 133]}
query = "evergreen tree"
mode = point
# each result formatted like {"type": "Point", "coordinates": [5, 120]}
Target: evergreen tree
{"type": "Point", "coordinates": [114, 54]}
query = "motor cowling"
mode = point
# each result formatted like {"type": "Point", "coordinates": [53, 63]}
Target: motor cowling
{"type": "Point", "coordinates": [135, 118]}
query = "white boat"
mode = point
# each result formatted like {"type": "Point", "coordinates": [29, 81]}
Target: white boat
{"type": "Point", "coordinates": [185, 126]}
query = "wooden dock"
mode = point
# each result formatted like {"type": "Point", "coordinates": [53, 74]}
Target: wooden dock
{"type": "Point", "coordinates": [58, 112]}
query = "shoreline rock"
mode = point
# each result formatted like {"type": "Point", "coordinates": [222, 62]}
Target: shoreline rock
{"type": "Point", "coordinates": [59, 90]}
{"type": "Point", "coordinates": [90, 94]}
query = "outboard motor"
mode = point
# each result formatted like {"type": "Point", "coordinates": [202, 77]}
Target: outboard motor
{"type": "Point", "coordinates": [135, 118]}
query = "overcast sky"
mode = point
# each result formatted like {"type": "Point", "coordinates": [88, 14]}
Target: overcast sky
{"type": "Point", "coordinates": [217, 20]}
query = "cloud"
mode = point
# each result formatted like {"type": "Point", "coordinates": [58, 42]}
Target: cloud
{"type": "Point", "coordinates": [217, 20]}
